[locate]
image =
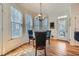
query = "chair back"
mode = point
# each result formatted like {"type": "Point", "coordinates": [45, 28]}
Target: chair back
{"type": "Point", "coordinates": [48, 33]}
{"type": "Point", "coordinates": [76, 36]}
{"type": "Point", "coordinates": [40, 39]}
{"type": "Point", "coordinates": [30, 33]}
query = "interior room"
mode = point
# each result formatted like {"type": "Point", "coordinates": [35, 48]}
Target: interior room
{"type": "Point", "coordinates": [39, 29]}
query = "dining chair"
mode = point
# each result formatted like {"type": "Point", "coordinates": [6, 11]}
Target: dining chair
{"type": "Point", "coordinates": [30, 34]}
{"type": "Point", "coordinates": [76, 36]}
{"type": "Point", "coordinates": [40, 38]}
{"type": "Point", "coordinates": [48, 35]}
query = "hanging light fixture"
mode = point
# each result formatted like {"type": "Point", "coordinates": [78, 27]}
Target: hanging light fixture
{"type": "Point", "coordinates": [40, 15]}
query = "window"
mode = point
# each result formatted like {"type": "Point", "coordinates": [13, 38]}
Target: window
{"type": "Point", "coordinates": [16, 20]}
{"type": "Point", "coordinates": [36, 24]}
{"type": "Point", "coordinates": [45, 24]}
{"type": "Point", "coordinates": [40, 25]}
{"type": "Point", "coordinates": [29, 22]}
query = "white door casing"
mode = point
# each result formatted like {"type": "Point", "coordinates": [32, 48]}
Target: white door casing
{"type": "Point", "coordinates": [62, 29]}
{"type": "Point", "coordinates": [1, 29]}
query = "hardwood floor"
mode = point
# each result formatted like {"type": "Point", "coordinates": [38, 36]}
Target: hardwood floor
{"type": "Point", "coordinates": [56, 48]}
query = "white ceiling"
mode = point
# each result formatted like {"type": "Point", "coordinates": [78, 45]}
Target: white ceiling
{"type": "Point", "coordinates": [50, 9]}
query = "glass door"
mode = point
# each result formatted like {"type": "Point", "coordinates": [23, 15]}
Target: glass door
{"type": "Point", "coordinates": [62, 29]}
{"type": "Point", "coordinates": [0, 29]}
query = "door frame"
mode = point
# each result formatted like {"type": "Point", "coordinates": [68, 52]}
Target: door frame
{"type": "Point", "coordinates": [67, 36]}
{"type": "Point", "coordinates": [1, 29]}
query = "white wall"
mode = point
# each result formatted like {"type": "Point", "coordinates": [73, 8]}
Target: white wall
{"type": "Point", "coordinates": [72, 13]}
{"type": "Point", "coordinates": [8, 43]}
{"type": "Point", "coordinates": [53, 31]}
{"type": "Point", "coordinates": [74, 21]}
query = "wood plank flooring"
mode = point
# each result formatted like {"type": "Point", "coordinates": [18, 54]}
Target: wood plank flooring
{"type": "Point", "coordinates": [56, 48]}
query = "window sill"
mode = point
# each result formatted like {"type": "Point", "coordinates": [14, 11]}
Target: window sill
{"type": "Point", "coordinates": [15, 37]}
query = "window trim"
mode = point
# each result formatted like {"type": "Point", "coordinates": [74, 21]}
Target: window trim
{"type": "Point", "coordinates": [11, 30]}
{"type": "Point", "coordinates": [18, 36]}
{"type": "Point", "coordinates": [31, 22]}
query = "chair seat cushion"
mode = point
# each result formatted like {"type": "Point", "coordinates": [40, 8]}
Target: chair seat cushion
{"type": "Point", "coordinates": [40, 48]}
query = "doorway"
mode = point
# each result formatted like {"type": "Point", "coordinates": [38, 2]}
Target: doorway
{"type": "Point", "coordinates": [62, 29]}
